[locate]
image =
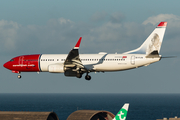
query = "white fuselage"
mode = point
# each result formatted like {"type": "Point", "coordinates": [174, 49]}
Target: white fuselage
{"type": "Point", "coordinates": [100, 62]}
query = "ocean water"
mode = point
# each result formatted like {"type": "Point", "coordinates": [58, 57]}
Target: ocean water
{"type": "Point", "coordinates": [142, 106]}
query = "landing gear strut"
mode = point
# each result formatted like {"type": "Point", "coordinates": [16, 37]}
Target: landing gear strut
{"type": "Point", "coordinates": [88, 77]}
{"type": "Point", "coordinates": [79, 73]}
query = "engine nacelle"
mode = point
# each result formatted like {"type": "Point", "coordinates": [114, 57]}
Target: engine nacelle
{"type": "Point", "coordinates": [56, 68]}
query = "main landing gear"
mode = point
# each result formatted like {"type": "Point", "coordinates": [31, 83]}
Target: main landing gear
{"type": "Point", "coordinates": [88, 77]}
{"type": "Point", "coordinates": [79, 75]}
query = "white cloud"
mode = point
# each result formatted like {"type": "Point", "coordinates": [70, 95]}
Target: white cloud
{"type": "Point", "coordinates": [60, 21]}
{"type": "Point", "coordinates": [98, 16]}
{"type": "Point", "coordinates": [117, 17]}
{"type": "Point", "coordinates": [8, 34]}
{"type": "Point", "coordinates": [60, 35]}
{"type": "Point", "coordinates": [161, 17]}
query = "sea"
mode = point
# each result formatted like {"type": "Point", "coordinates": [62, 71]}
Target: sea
{"type": "Point", "coordinates": [142, 106]}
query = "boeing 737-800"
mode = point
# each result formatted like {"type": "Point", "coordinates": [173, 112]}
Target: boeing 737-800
{"type": "Point", "coordinates": [75, 64]}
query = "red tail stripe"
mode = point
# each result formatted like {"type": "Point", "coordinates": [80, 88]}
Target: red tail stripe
{"type": "Point", "coordinates": [162, 24]}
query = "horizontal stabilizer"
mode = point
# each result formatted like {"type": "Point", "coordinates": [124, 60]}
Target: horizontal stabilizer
{"type": "Point", "coordinates": [169, 57]}
{"type": "Point", "coordinates": [153, 54]}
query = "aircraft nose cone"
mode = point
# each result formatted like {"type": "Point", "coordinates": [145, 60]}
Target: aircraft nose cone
{"type": "Point", "coordinates": [6, 65]}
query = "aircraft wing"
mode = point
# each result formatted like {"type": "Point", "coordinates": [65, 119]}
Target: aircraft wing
{"type": "Point", "coordinates": [73, 61]}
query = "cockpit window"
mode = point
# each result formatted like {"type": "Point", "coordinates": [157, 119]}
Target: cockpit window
{"type": "Point", "coordinates": [12, 60]}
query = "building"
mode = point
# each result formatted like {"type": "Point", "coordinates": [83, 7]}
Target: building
{"type": "Point", "coordinates": [8, 115]}
{"type": "Point", "coordinates": [91, 115]}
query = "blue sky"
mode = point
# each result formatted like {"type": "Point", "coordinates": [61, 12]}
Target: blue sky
{"type": "Point", "coordinates": [33, 27]}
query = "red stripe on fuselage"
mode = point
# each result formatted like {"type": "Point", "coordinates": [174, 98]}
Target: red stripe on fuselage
{"type": "Point", "coordinates": [24, 63]}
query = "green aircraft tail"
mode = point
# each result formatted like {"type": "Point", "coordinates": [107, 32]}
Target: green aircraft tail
{"type": "Point", "coordinates": [121, 115]}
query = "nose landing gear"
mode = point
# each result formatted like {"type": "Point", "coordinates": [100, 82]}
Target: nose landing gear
{"type": "Point", "coordinates": [19, 76]}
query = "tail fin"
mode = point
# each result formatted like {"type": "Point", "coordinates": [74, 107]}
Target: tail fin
{"type": "Point", "coordinates": [153, 42]}
{"type": "Point", "coordinates": [121, 115]}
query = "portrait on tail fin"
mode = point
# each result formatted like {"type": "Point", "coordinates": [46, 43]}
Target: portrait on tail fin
{"type": "Point", "coordinates": [154, 45]}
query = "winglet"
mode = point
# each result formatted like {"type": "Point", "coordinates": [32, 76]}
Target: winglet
{"type": "Point", "coordinates": [78, 43]}
{"type": "Point", "coordinates": [121, 115]}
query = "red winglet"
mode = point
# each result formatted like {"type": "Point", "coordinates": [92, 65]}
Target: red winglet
{"type": "Point", "coordinates": [78, 43]}
{"type": "Point", "coordinates": [162, 24]}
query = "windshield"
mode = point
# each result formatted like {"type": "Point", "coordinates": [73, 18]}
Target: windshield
{"type": "Point", "coordinates": [12, 60]}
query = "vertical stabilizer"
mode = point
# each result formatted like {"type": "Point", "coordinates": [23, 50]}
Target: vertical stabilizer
{"type": "Point", "coordinates": [153, 42]}
{"type": "Point", "coordinates": [121, 115]}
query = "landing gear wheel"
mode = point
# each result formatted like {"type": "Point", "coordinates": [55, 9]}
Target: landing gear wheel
{"type": "Point", "coordinates": [79, 75]}
{"type": "Point", "coordinates": [19, 76]}
{"type": "Point", "coordinates": [88, 77]}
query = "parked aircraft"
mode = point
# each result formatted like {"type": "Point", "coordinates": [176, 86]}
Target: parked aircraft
{"type": "Point", "coordinates": [75, 64]}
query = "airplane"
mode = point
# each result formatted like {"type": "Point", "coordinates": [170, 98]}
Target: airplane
{"type": "Point", "coordinates": [121, 115]}
{"type": "Point", "coordinates": [75, 64]}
